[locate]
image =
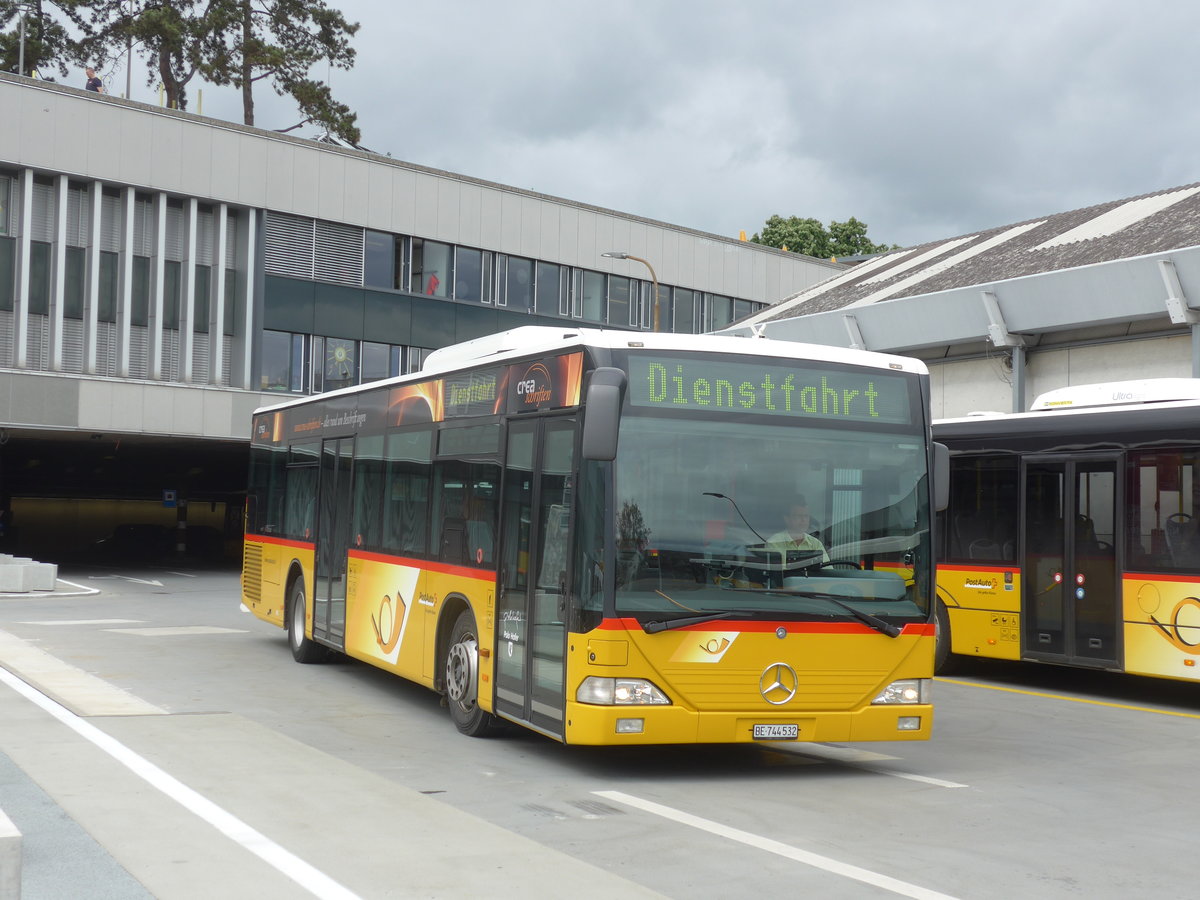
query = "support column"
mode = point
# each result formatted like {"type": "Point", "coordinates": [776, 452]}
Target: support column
{"type": "Point", "coordinates": [20, 333]}
{"type": "Point", "coordinates": [243, 328]}
{"type": "Point", "coordinates": [58, 274]}
{"type": "Point", "coordinates": [125, 283]}
{"type": "Point", "coordinates": [216, 304]}
{"type": "Point", "coordinates": [1019, 403]}
{"type": "Point", "coordinates": [187, 290]}
{"type": "Point", "coordinates": [91, 279]}
{"type": "Point", "coordinates": [158, 277]}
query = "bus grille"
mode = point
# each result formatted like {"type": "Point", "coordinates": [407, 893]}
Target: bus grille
{"type": "Point", "coordinates": [816, 689]}
{"type": "Point", "coordinates": [252, 571]}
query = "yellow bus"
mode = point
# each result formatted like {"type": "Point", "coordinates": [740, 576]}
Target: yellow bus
{"type": "Point", "coordinates": [1071, 534]}
{"type": "Point", "coordinates": [570, 530]}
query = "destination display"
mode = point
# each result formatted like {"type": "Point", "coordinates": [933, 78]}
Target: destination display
{"type": "Point", "coordinates": [769, 388]}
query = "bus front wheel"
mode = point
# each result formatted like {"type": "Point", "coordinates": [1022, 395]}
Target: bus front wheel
{"type": "Point", "coordinates": [462, 679]}
{"type": "Point", "coordinates": [304, 650]}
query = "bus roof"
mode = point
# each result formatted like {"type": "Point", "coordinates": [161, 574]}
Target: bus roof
{"type": "Point", "coordinates": [1118, 393]}
{"type": "Point", "coordinates": [532, 340]}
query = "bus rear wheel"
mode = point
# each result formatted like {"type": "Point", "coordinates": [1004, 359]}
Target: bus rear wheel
{"type": "Point", "coordinates": [462, 679]}
{"type": "Point", "coordinates": [944, 661]}
{"type": "Point", "coordinates": [304, 650]}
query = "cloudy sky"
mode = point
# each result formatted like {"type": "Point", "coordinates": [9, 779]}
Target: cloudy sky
{"type": "Point", "coordinates": [924, 119]}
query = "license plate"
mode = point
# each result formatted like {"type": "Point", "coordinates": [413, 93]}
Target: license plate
{"type": "Point", "coordinates": [776, 732]}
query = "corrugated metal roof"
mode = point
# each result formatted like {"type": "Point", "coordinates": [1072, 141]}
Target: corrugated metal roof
{"type": "Point", "coordinates": [1119, 218]}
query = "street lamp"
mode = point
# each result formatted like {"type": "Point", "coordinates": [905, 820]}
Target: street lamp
{"type": "Point", "coordinates": [617, 254]}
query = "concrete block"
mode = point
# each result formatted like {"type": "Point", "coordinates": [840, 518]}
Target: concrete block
{"type": "Point", "coordinates": [43, 576]}
{"type": "Point", "coordinates": [14, 578]}
{"type": "Point", "coordinates": [10, 859]}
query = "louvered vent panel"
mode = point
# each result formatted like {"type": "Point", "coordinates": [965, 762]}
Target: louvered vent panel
{"type": "Point", "coordinates": [339, 253]}
{"type": "Point", "coordinates": [170, 355]}
{"type": "Point", "coordinates": [139, 351]}
{"type": "Point", "coordinates": [252, 571]}
{"type": "Point", "coordinates": [72, 345]}
{"type": "Point", "coordinates": [231, 233]}
{"type": "Point", "coordinates": [143, 227]}
{"type": "Point", "coordinates": [6, 333]}
{"type": "Point", "coordinates": [289, 245]}
{"type": "Point", "coordinates": [200, 358]}
{"type": "Point", "coordinates": [110, 223]}
{"type": "Point", "coordinates": [174, 243]}
{"type": "Point", "coordinates": [227, 360]}
{"type": "Point", "coordinates": [205, 237]}
{"type": "Point", "coordinates": [77, 216]}
{"type": "Point", "coordinates": [42, 226]}
{"type": "Point", "coordinates": [106, 348]}
{"type": "Point", "coordinates": [35, 348]}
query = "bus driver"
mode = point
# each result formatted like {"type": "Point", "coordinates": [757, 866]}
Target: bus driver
{"type": "Point", "coordinates": [795, 536]}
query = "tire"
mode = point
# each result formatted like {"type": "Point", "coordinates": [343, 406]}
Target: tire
{"type": "Point", "coordinates": [944, 662]}
{"type": "Point", "coordinates": [304, 650]}
{"type": "Point", "coordinates": [462, 680]}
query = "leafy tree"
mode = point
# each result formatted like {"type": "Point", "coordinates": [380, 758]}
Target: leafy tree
{"type": "Point", "coordinates": [47, 42]}
{"type": "Point", "coordinates": [233, 42]}
{"type": "Point", "coordinates": [280, 41]}
{"type": "Point", "coordinates": [811, 238]}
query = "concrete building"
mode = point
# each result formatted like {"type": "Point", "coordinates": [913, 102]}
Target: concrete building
{"type": "Point", "coordinates": [1106, 293]}
{"type": "Point", "coordinates": [163, 274]}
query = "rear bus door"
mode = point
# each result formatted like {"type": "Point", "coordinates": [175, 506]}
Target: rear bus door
{"type": "Point", "coordinates": [1071, 608]}
{"type": "Point", "coordinates": [333, 540]}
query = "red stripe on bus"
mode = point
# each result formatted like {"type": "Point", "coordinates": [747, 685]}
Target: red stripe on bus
{"type": "Point", "coordinates": [912, 628]}
{"type": "Point", "coordinates": [426, 564]}
{"type": "Point", "coordinates": [281, 542]}
{"type": "Point", "coordinates": [1159, 576]}
{"type": "Point", "coordinates": [967, 567]}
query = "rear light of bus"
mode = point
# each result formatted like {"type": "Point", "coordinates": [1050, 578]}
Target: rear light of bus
{"type": "Point", "coordinates": [619, 692]}
{"type": "Point", "coordinates": [909, 690]}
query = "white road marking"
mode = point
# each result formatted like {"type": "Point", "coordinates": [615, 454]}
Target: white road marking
{"type": "Point", "coordinates": [84, 622]}
{"type": "Point", "coordinates": [38, 595]}
{"type": "Point", "coordinates": [183, 574]}
{"type": "Point", "coordinates": [305, 875]}
{"type": "Point", "coordinates": [861, 758]}
{"type": "Point", "coordinates": [176, 630]}
{"type": "Point", "coordinates": [150, 581]}
{"type": "Point", "coordinates": [866, 876]}
{"type": "Point", "coordinates": [82, 691]}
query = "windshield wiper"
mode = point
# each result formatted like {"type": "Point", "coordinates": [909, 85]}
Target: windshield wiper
{"type": "Point", "coordinates": [866, 618]}
{"type": "Point", "coordinates": [668, 624]}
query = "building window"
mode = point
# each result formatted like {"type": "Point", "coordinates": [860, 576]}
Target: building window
{"type": "Point", "coordinates": [73, 287]}
{"type": "Point", "coordinates": [516, 284]}
{"type": "Point", "coordinates": [547, 300]}
{"type": "Point", "coordinates": [379, 260]}
{"type": "Point", "coordinates": [5, 193]}
{"type": "Point", "coordinates": [618, 301]}
{"type": "Point", "coordinates": [376, 361]}
{"type": "Point", "coordinates": [8, 256]}
{"type": "Point", "coordinates": [685, 311]}
{"type": "Point", "coordinates": [341, 363]}
{"type": "Point", "coordinates": [589, 303]}
{"type": "Point", "coordinates": [203, 299]}
{"type": "Point", "coordinates": [108, 287]}
{"type": "Point", "coordinates": [282, 362]}
{"type": "Point", "coordinates": [720, 311]}
{"type": "Point", "coordinates": [468, 274]}
{"type": "Point", "coordinates": [172, 271]}
{"type": "Point", "coordinates": [140, 312]}
{"type": "Point", "coordinates": [432, 268]}
{"type": "Point", "coordinates": [39, 278]}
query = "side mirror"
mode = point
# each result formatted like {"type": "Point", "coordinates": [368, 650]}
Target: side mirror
{"type": "Point", "coordinates": [941, 476]}
{"type": "Point", "coordinates": [602, 413]}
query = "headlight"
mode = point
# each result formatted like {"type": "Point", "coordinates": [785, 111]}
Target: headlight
{"type": "Point", "coordinates": [910, 690]}
{"type": "Point", "coordinates": [619, 692]}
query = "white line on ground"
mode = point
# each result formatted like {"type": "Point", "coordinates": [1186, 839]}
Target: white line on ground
{"type": "Point", "coordinates": [833, 866]}
{"type": "Point", "coordinates": [853, 756]}
{"type": "Point", "coordinates": [175, 630]}
{"type": "Point", "coordinates": [84, 622]}
{"type": "Point", "coordinates": [305, 875]}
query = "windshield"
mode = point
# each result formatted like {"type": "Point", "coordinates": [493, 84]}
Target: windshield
{"type": "Point", "coordinates": [775, 520]}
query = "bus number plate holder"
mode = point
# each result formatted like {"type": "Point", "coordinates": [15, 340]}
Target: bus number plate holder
{"type": "Point", "coordinates": [776, 732]}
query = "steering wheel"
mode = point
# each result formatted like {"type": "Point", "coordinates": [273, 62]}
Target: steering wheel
{"type": "Point", "coordinates": [1180, 518]}
{"type": "Point", "coordinates": [848, 563]}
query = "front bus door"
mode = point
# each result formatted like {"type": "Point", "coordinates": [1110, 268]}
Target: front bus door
{"type": "Point", "coordinates": [534, 572]}
{"type": "Point", "coordinates": [1070, 608]}
{"type": "Point", "coordinates": [333, 538]}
